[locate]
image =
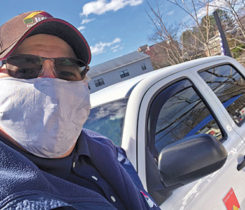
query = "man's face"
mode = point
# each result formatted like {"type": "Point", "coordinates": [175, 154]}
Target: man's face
{"type": "Point", "coordinates": [45, 46]}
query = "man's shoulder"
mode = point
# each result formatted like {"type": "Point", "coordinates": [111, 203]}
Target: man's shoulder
{"type": "Point", "coordinates": [24, 185]}
{"type": "Point", "coordinates": [96, 138]}
{"type": "Point", "coordinates": [11, 156]}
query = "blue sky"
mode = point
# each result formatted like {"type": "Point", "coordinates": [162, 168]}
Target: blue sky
{"type": "Point", "coordinates": [111, 27]}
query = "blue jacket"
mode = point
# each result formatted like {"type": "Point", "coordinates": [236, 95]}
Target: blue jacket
{"type": "Point", "coordinates": [25, 186]}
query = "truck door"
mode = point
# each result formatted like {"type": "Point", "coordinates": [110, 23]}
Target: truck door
{"type": "Point", "coordinates": [184, 105]}
{"type": "Point", "coordinates": [228, 84]}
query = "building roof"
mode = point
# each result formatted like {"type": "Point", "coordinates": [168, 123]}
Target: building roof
{"type": "Point", "coordinates": [116, 63]}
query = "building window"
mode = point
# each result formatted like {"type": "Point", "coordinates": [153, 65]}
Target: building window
{"type": "Point", "coordinates": [99, 82]}
{"type": "Point", "coordinates": [124, 73]}
{"type": "Point", "coordinates": [143, 67]}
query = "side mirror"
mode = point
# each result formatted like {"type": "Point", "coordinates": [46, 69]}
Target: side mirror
{"type": "Point", "coordinates": [189, 159]}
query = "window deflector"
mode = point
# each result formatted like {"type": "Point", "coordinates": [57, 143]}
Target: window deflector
{"type": "Point", "coordinates": [155, 109]}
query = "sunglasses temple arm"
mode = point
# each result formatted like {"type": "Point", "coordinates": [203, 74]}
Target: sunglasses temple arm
{"type": "Point", "coordinates": [87, 68]}
{"type": "Point", "coordinates": [84, 72]}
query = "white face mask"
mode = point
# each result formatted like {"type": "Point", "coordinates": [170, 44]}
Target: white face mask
{"type": "Point", "coordinates": [45, 116]}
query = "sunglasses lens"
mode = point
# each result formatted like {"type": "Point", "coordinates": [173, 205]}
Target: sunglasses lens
{"type": "Point", "coordinates": [70, 69]}
{"type": "Point", "coordinates": [23, 66]}
{"type": "Point", "coordinates": [29, 66]}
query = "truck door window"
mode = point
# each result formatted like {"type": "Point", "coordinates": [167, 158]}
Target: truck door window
{"type": "Point", "coordinates": [182, 113]}
{"type": "Point", "coordinates": [229, 86]}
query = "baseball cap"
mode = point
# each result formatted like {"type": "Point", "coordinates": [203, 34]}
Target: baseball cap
{"type": "Point", "coordinates": [13, 32]}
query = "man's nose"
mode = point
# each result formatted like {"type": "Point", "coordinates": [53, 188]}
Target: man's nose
{"type": "Point", "coordinates": [48, 69]}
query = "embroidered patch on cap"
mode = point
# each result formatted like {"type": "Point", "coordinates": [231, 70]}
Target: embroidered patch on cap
{"type": "Point", "coordinates": [35, 17]}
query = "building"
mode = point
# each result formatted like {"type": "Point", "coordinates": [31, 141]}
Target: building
{"type": "Point", "coordinates": [157, 53]}
{"type": "Point", "coordinates": [119, 69]}
{"type": "Point", "coordinates": [214, 45]}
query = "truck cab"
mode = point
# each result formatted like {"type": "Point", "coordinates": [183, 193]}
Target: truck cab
{"type": "Point", "coordinates": [183, 129]}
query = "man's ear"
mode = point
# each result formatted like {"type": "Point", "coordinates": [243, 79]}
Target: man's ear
{"type": "Point", "coordinates": [3, 68]}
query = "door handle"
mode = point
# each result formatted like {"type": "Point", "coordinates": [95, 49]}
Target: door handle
{"type": "Point", "coordinates": [241, 165]}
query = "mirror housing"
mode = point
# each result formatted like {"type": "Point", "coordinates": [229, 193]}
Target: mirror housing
{"type": "Point", "coordinates": [189, 159]}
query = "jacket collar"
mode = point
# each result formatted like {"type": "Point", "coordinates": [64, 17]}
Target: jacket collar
{"type": "Point", "coordinates": [57, 166]}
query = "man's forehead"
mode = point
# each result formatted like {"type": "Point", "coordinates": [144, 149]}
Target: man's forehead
{"type": "Point", "coordinates": [44, 38]}
{"type": "Point", "coordinates": [45, 43]}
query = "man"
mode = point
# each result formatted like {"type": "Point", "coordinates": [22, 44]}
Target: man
{"type": "Point", "coordinates": [47, 160]}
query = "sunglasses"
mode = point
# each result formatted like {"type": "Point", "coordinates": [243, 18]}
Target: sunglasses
{"type": "Point", "coordinates": [26, 66]}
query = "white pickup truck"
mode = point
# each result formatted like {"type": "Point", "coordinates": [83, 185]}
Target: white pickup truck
{"type": "Point", "coordinates": [183, 128]}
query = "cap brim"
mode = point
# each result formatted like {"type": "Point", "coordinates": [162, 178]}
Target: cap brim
{"type": "Point", "coordinates": [8, 51]}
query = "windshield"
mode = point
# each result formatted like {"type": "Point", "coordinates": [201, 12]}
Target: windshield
{"type": "Point", "coordinates": [107, 119]}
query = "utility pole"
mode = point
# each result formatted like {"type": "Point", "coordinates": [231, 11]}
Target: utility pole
{"type": "Point", "coordinates": [224, 43]}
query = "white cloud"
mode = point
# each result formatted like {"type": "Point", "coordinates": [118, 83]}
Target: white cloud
{"type": "Point", "coordinates": [84, 21]}
{"type": "Point", "coordinates": [213, 5]}
{"type": "Point", "coordinates": [87, 20]}
{"type": "Point", "coordinates": [115, 48]}
{"type": "Point", "coordinates": [80, 28]}
{"type": "Point", "coordinates": [99, 7]}
{"type": "Point", "coordinates": [101, 46]}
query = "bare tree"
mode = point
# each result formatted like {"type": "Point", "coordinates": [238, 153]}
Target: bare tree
{"type": "Point", "coordinates": [194, 42]}
{"type": "Point", "coordinates": [233, 6]}
{"type": "Point", "coordinates": [201, 24]}
{"type": "Point", "coordinates": [164, 35]}
{"type": "Point", "coordinates": [199, 33]}
{"type": "Point", "coordinates": [236, 33]}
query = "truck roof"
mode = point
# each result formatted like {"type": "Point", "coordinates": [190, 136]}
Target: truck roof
{"type": "Point", "coordinates": [123, 89]}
